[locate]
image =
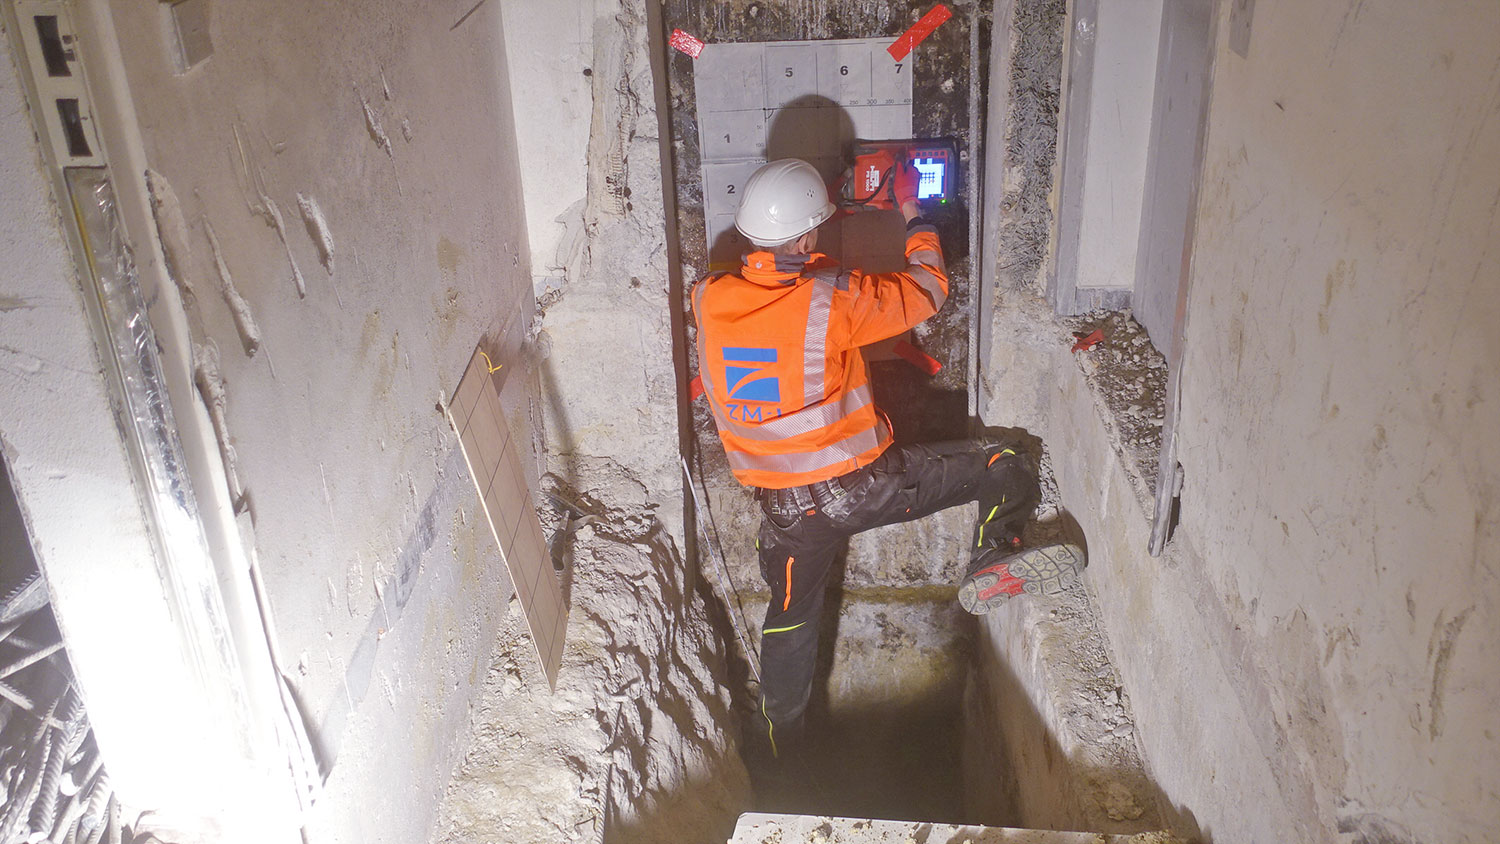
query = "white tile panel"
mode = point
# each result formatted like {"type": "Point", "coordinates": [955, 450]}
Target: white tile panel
{"type": "Point", "coordinates": [836, 91]}
{"type": "Point", "coordinates": [730, 76]}
{"type": "Point", "coordinates": [722, 184]}
{"type": "Point", "coordinates": [734, 135]}
{"type": "Point", "coordinates": [791, 75]}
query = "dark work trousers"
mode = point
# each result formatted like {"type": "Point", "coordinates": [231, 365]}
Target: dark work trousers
{"type": "Point", "coordinates": [805, 527]}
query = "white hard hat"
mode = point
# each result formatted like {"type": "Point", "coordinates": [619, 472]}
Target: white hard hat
{"type": "Point", "coordinates": [782, 201]}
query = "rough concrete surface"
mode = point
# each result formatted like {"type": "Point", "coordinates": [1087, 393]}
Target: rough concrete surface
{"type": "Point", "coordinates": [1339, 410]}
{"type": "Point", "coordinates": [605, 344]}
{"type": "Point", "coordinates": [1127, 371]}
{"type": "Point", "coordinates": [62, 439]}
{"type": "Point", "coordinates": [783, 829]}
{"type": "Point", "coordinates": [636, 743]}
{"type": "Point", "coordinates": [321, 224]}
{"type": "Point", "coordinates": [1317, 639]}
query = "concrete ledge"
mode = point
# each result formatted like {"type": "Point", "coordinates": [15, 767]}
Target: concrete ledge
{"type": "Point", "coordinates": [1178, 655]}
{"type": "Point", "coordinates": [757, 828]}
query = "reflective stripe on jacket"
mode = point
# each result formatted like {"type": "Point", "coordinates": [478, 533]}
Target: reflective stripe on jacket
{"type": "Point", "coordinates": [779, 355]}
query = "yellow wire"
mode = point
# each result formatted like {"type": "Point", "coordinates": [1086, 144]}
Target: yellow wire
{"type": "Point", "coordinates": [489, 363]}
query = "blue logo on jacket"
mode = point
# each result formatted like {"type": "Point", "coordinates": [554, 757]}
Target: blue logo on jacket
{"type": "Point", "coordinates": [741, 365]}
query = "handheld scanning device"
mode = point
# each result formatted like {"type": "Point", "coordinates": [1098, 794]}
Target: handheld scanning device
{"type": "Point", "coordinates": [868, 183]}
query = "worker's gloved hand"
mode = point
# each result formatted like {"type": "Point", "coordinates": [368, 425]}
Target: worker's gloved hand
{"type": "Point", "coordinates": [904, 181]}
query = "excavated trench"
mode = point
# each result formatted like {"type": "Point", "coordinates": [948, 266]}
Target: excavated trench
{"type": "Point", "coordinates": [886, 722]}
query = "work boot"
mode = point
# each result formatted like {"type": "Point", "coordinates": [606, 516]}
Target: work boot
{"type": "Point", "coordinates": [1000, 574]}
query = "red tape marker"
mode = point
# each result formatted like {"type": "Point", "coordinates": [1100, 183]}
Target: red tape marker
{"type": "Point", "coordinates": [918, 358]}
{"type": "Point", "coordinates": [919, 30]}
{"type": "Point", "coordinates": [695, 388]}
{"type": "Point", "coordinates": [686, 43]}
{"type": "Point", "coordinates": [1089, 342]}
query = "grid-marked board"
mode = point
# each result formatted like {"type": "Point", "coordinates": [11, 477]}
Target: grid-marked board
{"type": "Point", "coordinates": [495, 465]}
{"type": "Point", "coordinates": [762, 101]}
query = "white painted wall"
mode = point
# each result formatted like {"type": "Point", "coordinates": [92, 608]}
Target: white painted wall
{"type": "Point", "coordinates": [605, 343]}
{"type": "Point", "coordinates": [1340, 405]}
{"type": "Point", "coordinates": [1313, 658]}
{"type": "Point", "coordinates": [1123, 85]}
{"type": "Point", "coordinates": [394, 118]}
{"type": "Point", "coordinates": [550, 46]}
{"type": "Point", "coordinates": [61, 437]}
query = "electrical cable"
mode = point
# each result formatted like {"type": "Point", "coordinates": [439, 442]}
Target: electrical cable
{"type": "Point", "coordinates": [718, 555]}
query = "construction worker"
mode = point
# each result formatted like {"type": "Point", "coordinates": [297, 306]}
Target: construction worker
{"type": "Point", "coordinates": [779, 354]}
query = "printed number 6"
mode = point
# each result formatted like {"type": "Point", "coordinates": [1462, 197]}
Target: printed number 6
{"type": "Point", "coordinates": [844, 71]}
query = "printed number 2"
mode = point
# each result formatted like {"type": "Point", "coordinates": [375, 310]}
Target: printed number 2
{"type": "Point", "coordinates": [844, 71]}
{"type": "Point", "coordinates": [731, 189]}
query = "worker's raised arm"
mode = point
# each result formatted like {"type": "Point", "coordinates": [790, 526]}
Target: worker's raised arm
{"type": "Point", "coordinates": [882, 305]}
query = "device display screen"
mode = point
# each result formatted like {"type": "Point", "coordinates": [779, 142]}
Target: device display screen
{"type": "Point", "coordinates": [933, 164]}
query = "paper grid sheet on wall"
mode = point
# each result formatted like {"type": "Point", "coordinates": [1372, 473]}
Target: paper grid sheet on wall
{"type": "Point", "coordinates": [762, 101]}
{"type": "Point", "coordinates": [495, 464]}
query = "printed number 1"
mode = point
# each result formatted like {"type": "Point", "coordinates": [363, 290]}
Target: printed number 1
{"type": "Point", "coordinates": [726, 137]}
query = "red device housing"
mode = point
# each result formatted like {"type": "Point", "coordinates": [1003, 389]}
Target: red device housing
{"type": "Point", "coordinates": [935, 158]}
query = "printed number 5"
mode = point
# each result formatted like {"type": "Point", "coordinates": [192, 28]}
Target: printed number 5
{"type": "Point", "coordinates": [789, 73]}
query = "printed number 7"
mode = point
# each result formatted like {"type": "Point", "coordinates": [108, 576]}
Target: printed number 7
{"type": "Point", "coordinates": [898, 67]}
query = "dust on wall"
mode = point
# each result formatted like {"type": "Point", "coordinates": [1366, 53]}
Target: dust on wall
{"type": "Point", "coordinates": [604, 344]}
{"type": "Point", "coordinates": [337, 266]}
{"type": "Point", "coordinates": [1339, 406]}
{"type": "Point", "coordinates": [636, 743]}
{"type": "Point", "coordinates": [1322, 627]}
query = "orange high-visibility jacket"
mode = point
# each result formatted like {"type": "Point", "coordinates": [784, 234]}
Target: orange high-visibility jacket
{"type": "Point", "coordinates": [779, 355]}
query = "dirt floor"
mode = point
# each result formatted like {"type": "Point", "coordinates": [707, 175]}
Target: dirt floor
{"type": "Point", "coordinates": [635, 743]}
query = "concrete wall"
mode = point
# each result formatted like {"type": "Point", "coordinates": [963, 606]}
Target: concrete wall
{"type": "Point", "coordinates": [1312, 659]}
{"type": "Point", "coordinates": [1119, 120]}
{"type": "Point", "coordinates": [1339, 404]}
{"type": "Point", "coordinates": [369, 151]}
{"type": "Point", "coordinates": [589, 147]}
{"type": "Point", "coordinates": [550, 53]}
{"type": "Point", "coordinates": [62, 441]}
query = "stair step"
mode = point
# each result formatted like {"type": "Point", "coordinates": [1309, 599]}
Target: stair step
{"type": "Point", "coordinates": [765, 828]}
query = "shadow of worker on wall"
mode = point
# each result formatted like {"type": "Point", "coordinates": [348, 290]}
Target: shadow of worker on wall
{"type": "Point", "coordinates": [816, 130]}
